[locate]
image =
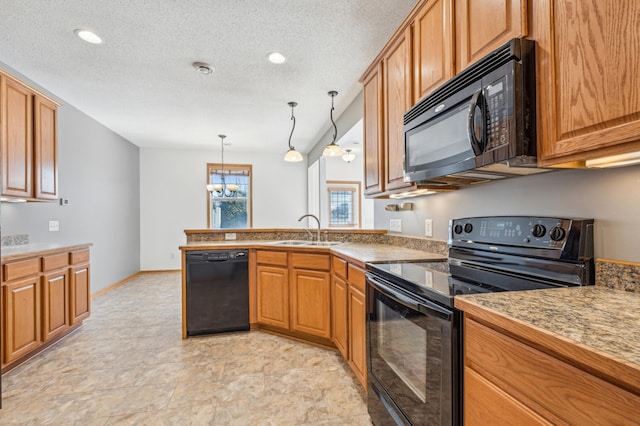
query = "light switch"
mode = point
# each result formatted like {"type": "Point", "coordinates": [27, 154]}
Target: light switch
{"type": "Point", "coordinates": [428, 228]}
{"type": "Point", "coordinates": [395, 225]}
{"type": "Point", "coordinates": [54, 226]}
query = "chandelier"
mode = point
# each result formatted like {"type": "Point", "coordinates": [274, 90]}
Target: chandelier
{"type": "Point", "coordinates": [223, 189]}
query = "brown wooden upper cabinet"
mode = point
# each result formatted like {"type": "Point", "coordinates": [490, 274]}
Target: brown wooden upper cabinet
{"type": "Point", "coordinates": [587, 58]}
{"type": "Point", "coordinates": [432, 47]}
{"type": "Point", "coordinates": [483, 26]}
{"type": "Point", "coordinates": [28, 123]}
{"type": "Point", "coordinates": [373, 131]}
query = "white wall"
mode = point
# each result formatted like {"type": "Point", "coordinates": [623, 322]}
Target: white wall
{"type": "Point", "coordinates": [339, 170]}
{"type": "Point", "coordinates": [173, 197]}
{"type": "Point", "coordinates": [98, 172]}
{"type": "Point", "coordinates": [611, 197]}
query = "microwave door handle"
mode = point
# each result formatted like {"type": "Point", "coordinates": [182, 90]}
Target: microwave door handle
{"type": "Point", "coordinates": [477, 102]}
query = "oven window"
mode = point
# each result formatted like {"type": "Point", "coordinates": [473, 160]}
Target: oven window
{"type": "Point", "coordinates": [402, 345]}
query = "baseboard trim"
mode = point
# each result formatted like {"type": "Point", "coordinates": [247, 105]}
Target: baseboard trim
{"type": "Point", "coordinates": [129, 278]}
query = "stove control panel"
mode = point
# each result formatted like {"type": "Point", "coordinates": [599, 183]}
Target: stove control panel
{"type": "Point", "coordinates": [520, 231]}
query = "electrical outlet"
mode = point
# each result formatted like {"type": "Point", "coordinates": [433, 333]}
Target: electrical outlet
{"type": "Point", "coordinates": [230, 236]}
{"type": "Point", "coordinates": [428, 228]}
{"type": "Point", "coordinates": [395, 225]}
{"type": "Point", "coordinates": [54, 226]}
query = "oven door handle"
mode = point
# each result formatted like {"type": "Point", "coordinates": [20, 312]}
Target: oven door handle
{"type": "Point", "coordinates": [424, 306]}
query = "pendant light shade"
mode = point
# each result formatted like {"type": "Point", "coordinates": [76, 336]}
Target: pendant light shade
{"type": "Point", "coordinates": [292, 155]}
{"type": "Point", "coordinates": [332, 150]}
{"type": "Point", "coordinates": [348, 156]}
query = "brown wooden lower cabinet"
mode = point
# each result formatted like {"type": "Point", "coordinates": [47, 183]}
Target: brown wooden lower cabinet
{"type": "Point", "coordinates": [43, 298]}
{"type": "Point", "coordinates": [358, 334]}
{"type": "Point", "coordinates": [310, 302]}
{"type": "Point", "coordinates": [22, 318]}
{"type": "Point", "coordinates": [273, 296]}
{"type": "Point", "coordinates": [340, 314]}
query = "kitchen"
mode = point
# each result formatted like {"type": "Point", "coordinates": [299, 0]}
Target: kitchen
{"type": "Point", "coordinates": [124, 210]}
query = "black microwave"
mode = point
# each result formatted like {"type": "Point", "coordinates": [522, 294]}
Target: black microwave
{"type": "Point", "coordinates": [478, 126]}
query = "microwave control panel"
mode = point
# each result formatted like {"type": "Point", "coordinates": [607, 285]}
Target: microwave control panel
{"type": "Point", "coordinates": [498, 114]}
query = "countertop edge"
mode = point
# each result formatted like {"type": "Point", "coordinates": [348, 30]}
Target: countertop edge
{"type": "Point", "coordinates": [40, 250]}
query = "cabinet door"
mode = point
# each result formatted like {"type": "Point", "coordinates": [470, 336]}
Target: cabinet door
{"type": "Point", "coordinates": [483, 26]}
{"type": "Point", "coordinates": [339, 315]}
{"type": "Point", "coordinates": [310, 303]}
{"type": "Point", "coordinates": [587, 57]}
{"type": "Point", "coordinates": [373, 132]}
{"type": "Point", "coordinates": [55, 303]}
{"type": "Point", "coordinates": [17, 138]}
{"type": "Point", "coordinates": [80, 293]}
{"type": "Point", "coordinates": [21, 318]}
{"type": "Point", "coordinates": [432, 47]}
{"type": "Point", "coordinates": [45, 149]}
{"type": "Point", "coordinates": [358, 334]}
{"type": "Point", "coordinates": [273, 296]}
{"type": "Point", "coordinates": [397, 96]}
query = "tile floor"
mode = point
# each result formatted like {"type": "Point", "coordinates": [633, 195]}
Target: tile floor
{"type": "Point", "coordinates": [128, 365]}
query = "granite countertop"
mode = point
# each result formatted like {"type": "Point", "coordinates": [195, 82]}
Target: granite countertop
{"type": "Point", "coordinates": [355, 251]}
{"type": "Point", "coordinates": [596, 318]}
{"type": "Point", "coordinates": [38, 249]}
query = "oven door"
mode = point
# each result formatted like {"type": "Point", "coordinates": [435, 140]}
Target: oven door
{"type": "Point", "coordinates": [413, 362]}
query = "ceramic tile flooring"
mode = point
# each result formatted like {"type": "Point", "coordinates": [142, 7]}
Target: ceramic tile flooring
{"type": "Point", "coordinates": [128, 365]}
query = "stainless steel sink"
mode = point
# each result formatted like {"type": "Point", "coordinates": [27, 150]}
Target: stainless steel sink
{"type": "Point", "coordinates": [306, 243]}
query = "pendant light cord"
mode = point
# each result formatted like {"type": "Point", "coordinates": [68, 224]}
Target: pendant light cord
{"type": "Point", "coordinates": [222, 160]}
{"type": "Point", "coordinates": [333, 93]}
{"type": "Point", "coordinates": [292, 105]}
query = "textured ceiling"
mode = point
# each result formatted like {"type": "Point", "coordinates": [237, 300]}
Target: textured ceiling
{"type": "Point", "coordinates": [140, 82]}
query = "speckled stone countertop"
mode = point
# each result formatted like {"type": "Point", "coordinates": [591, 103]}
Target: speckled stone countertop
{"type": "Point", "coordinates": [355, 251]}
{"type": "Point", "coordinates": [601, 319]}
{"type": "Point", "coordinates": [28, 250]}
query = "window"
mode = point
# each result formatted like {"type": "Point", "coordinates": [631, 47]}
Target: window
{"type": "Point", "coordinates": [229, 198]}
{"type": "Point", "coordinates": [344, 205]}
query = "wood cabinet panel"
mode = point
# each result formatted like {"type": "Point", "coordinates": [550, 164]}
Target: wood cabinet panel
{"type": "Point", "coordinates": [358, 334]}
{"type": "Point", "coordinates": [552, 388]}
{"type": "Point", "coordinates": [373, 132]}
{"type": "Point", "coordinates": [397, 98]}
{"type": "Point", "coordinates": [45, 148]}
{"type": "Point", "coordinates": [485, 404]}
{"type": "Point", "coordinates": [339, 315]}
{"type": "Point", "coordinates": [310, 303]}
{"type": "Point", "coordinates": [311, 261]}
{"type": "Point", "coordinates": [483, 26]}
{"type": "Point", "coordinates": [21, 312]}
{"type": "Point", "coordinates": [588, 54]}
{"type": "Point", "coordinates": [17, 138]}
{"type": "Point", "coordinates": [272, 295]}
{"type": "Point", "coordinates": [80, 256]}
{"type": "Point", "coordinates": [55, 304]}
{"type": "Point", "coordinates": [269, 257]}
{"type": "Point", "coordinates": [339, 267]}
{"type": "Point", "coordinates": [432, 47]}
{"type": "Point", "coordinates": [54, 261]}
{"type": "Point", "coordinates": [80, 294]}
{"type": "Point", "coordinates": [357, 278]}
{"type": "Point", "coordinates": [20, 269]}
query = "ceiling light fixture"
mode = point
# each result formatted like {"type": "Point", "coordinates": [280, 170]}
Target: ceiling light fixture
{"type": "Point", "coordinates": [292, 155]}
{"type": "Point", "coordinates": [348, 156]}
{"type": "Point", "coordinates": [203, 68]}
{"type": "Point", "coordinates": [276, 58]}
{"type": "Point", "coordinates": [222, 189]}
{"type": "Point", "coordinates": [88, 36]}
{"type": "Point", "coordinates": [332, 150]}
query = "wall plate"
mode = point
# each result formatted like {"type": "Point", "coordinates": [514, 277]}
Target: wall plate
{"type": "Point", "coordinates": [395, 225]}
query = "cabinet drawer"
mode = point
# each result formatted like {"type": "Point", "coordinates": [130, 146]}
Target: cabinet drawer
{"type": "Point", "coordinates": [78, 256]}
{"type": "Point", "coordinates": [271, 257]}
{"type": "Point", "coordinates": [23, 268]}
{"type": "Point", "coordinates": [339, 266]}
{"type": "Point", "coordinates": [311, 261]}
{"type": "Point", "coordinates": [356, 277]}
{"type": "Point", "coordinates": [557, 390]}
{"type": "Point", "coordinates": [55, 261]}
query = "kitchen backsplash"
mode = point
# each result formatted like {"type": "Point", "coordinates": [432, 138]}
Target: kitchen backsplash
{"type": "Point", "coordinates": [618, 275]}
{"type": "Point", "coordinates": [15, 240]}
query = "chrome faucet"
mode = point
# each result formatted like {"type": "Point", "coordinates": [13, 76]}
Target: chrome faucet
{"type": "Point", "coordinates": [317, 220]}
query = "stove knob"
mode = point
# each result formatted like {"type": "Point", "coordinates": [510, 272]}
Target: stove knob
{"type": "Point", "coordinates": [457, 229]}
{"type": "Point", "coordinates": [468, 227]}
{"type": "Point", "coordinates": [556, 233]}
{"type": "Point", "coordinates": [538, 230]}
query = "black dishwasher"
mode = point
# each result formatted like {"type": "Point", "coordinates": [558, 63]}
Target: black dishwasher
{"type": "Point", "coordinates": [217, 291]}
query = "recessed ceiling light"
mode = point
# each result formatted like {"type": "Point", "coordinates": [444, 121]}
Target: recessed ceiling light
{"type": "Point", "coordinates": [276, 57]}
{"type": "Point", "coordinates": [203, 68]}
{"type": "Point", "coordinates": [88, 36]}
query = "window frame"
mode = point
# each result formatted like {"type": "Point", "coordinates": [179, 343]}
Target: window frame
{"type": "Point", "coordinates": [345, 185]}
{"type": "Point", "coordinates": [218, 166]}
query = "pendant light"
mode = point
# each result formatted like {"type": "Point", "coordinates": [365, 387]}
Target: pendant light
{"type": "Point", "coordinates": [292, 155]}
{"type": "Point", "coordinates": [332, 150]}
{"type": "Point", "coordinates": [348, 156]}
{"type": "Point", "coordinates": [222, 189]}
